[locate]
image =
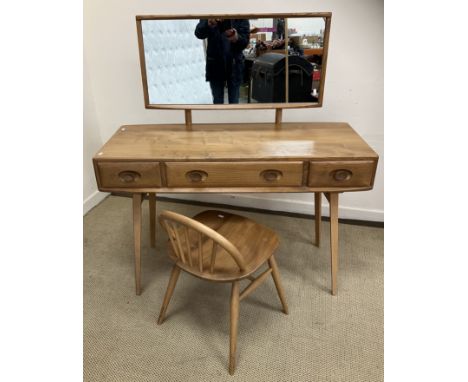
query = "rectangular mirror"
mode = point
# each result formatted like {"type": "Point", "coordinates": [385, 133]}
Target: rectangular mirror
{"type": "Point", "coordinates": [233, 61]}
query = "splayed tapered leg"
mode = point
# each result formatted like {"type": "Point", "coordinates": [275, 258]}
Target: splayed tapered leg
{"type": "Point", "coordinates": [333, 200]}
{"type": "Point", "coordinates": [234, 326]}
{"type": "Point", "coordinates": [318, 217]}
{"type": "Point", "coordinates": [170, 289]}
{"type": "Point", "coordinates": [277, 279]}
{"type": "Point", "coordinates": [137, 199]}
{"type": "Point", "coordinates": [152, 214]}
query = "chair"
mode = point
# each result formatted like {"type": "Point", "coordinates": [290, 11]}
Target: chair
{"type": "Point", "coordinates": [221, 247]}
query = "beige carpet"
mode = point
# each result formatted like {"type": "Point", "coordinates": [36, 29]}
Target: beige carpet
{"type": "Point", "coordinates": [323, 338]}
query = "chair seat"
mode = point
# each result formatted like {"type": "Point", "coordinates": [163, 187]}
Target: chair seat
{"type": "Point", "coordinates": [254, 241]}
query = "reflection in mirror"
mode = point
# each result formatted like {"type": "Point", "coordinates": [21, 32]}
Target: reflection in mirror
{"type": "Point", "coordinates": [175, 63]}
{"type": "Point", "coordinates": [220, 61]}
{"type": "Point", "coordinates": [226, 40]}
{"type": "Point", "coordinates": [306, 40]}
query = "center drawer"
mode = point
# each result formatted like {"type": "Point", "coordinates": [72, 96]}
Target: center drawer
{"type": "Point", "coordinates": [235, 174]}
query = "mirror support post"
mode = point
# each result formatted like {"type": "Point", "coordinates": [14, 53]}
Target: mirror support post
{"type": "Point", "coordinates": [188, 119]}
{"type": "Point", "coordinates": [278, 117]}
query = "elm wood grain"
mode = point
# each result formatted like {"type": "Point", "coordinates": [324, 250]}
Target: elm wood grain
{"type": "Point", "coordinates": [221, 247]}
{"type": "Point", "coordinates": [305, 172]}
{"type": "Point", "coordinates": [333, 200]}
{"type": "Point", "coordinates": [225, 174]}
{"type": "Point", "coordinates": [168, 295]}
{"type": "Point", "coordinates": [137, 200]}
{"type": "Point", "coordinates": [238, 106]}
{"type": "Point", "coordinates": [235, 299]}
{"type": "Point", "coordinates": [236, 142]}
{"type": "Point", "coordinates": [318, 217]}
{"type": "Point", "coordinates": [277, 279]}
{"type": "Point", "coordinates": [129, 174]}
{"type": "Point", "coordinates": [341, 173]}
{"type": "Point", "coordinates": [242, 244]}
{"type": "Point", "coordinates": [256, 282]}
{"type": "Point", "coordinates": [141, 51]}
{"type": "Point", "coordinates": [188, 119]}
{"type": "Point", "coordinates": [234, 16]}
{"type": "Point", "coordinates": [323, 74]}
{"type": "Point", "coordinates": [152, 214]}
{"type": "Point", "coordinates": [278, 117]}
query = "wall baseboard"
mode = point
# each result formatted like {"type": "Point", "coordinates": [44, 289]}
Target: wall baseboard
{"type": "Point", "coordinates": [283, 205]}
{"type": "Point", "coordinates": [258, 202]}
{"type": "Point", "coordinates": [93, 200]}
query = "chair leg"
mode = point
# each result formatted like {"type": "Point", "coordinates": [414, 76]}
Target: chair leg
{"type": "Point", "coordinates": [276, 278]}
{"type": "Point", "coordinates": [234, 325]}
{"type": "Point", "coordinates": [170, 289]}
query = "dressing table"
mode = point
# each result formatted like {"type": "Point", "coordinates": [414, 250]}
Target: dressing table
{"type": "Point", "coordinates": [327, 158]}
{"type": "Point", "coordinates": [319, 158]}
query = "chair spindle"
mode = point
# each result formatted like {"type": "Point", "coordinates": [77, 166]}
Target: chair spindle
{"type": "Point", "coordinates": [213, 256]}
{"type": "Point", "coordinates": [179, 244]}
{"type": "Point", "coordinates": [187, 244]}
{"type": "Point", "coordinates": [200, 252]}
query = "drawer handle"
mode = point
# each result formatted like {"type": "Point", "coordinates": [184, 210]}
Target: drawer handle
{"type": "Point", "coordinates": [129, 176]}
{"type": "Point", "coordinates": [196, 176]}
{"type": "Point", "coordinates": [342, 175]}
{"type": "Point", "coordinates": [271, 175]}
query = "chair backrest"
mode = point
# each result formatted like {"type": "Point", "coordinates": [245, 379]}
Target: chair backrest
{"type": "Point", "coordinates": [190, 239]}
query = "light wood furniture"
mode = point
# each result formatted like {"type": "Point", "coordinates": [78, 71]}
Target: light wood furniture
{"type": "Point", "coordinates": [221, 247]}
{"type": "Point", "coordinates": [313, 51]}
{"type": "Point", "coordinates": [315, 158]}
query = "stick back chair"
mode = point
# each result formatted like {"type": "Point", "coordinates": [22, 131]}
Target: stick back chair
{"type": "Point", "coordinates": [221, 247]}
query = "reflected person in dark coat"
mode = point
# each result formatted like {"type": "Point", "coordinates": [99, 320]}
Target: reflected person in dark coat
{"type": "Point", "coordinates": [226, 40]}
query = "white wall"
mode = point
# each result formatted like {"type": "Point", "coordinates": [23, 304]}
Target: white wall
{"type": "Point", "coordinates": [353, 91]}
{"type": "Point", "coordinates": [91, 143]}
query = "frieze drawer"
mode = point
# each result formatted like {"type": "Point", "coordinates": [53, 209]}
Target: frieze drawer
{"type": "Point", "coordinates": [341, 173]}
{"type": "Point", "coordinates": [234, 174]}
{"type": "Point", "coordinates": [129, 174]}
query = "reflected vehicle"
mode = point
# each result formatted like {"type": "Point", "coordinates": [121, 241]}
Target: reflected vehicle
{"type": "Point", "coordinates": [230, 61]}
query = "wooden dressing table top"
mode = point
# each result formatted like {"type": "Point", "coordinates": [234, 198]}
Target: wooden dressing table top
{"type": "Point", "coordinates": [253, 141]}
{"type": "Point", "coordinates": [298, 157]}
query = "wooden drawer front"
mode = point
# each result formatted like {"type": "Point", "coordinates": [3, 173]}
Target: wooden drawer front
{"type": "Point", "coordinates": [234, 174]}
{"type": "Point", "coordinates": [129, 174]}
{"type": "Point", "coordinates": [341, 174]}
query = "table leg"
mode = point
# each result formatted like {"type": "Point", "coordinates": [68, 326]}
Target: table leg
{"type": "Point", "coordinates": [318, 217]}
{"type": "Point", "coordinates": [333, 201]}
{"type": "Point", "coordinates": [152, 214]}
{"type": "Point", "coordinates": [137, 199]}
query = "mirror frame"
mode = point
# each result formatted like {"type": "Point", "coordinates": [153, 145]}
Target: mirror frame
{"type": "Point", "coordinates": [283, 105]}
